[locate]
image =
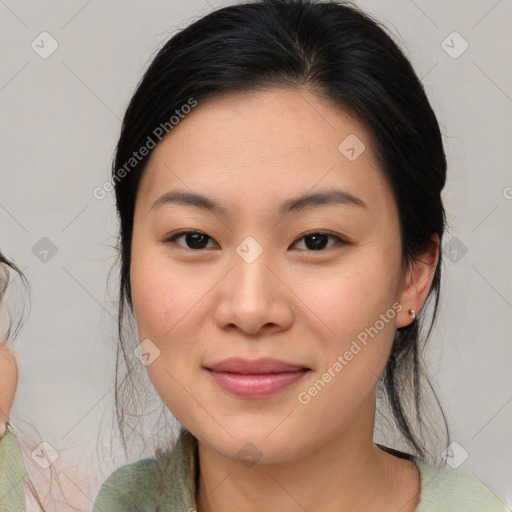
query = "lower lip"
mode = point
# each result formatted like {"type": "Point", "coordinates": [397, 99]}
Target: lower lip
{"type": "Point", "coordinates": [256, 385]}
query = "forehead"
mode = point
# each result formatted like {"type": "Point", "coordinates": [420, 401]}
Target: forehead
{"type": "Point", "coordinates": [264, 147]}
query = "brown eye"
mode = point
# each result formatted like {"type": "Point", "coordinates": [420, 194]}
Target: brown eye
{"type": "Point", "coordinates": [317, 241]}
{"type": "Point", "coordinates": [193, 239]}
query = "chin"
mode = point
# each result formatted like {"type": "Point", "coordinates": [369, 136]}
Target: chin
{"type": "Point", "coordinates": [252, 446]}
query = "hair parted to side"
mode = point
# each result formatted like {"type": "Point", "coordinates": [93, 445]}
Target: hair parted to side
{"type": "Point", "coordinates": [340, 53]}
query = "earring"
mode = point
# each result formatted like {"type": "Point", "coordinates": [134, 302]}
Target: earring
{"type": "Point", "coordinates": [412, 313]}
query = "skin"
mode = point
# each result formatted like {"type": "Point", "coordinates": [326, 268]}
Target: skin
{"type": "Point", "coordinates": [252, 151]}
{"type": "Point", "coordinates": [8, 383]}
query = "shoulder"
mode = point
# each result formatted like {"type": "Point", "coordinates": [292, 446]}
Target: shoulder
{"type": "Point", "coordinates": [12, 473]}
{"type": "Point", "coordinates": [131, 487]}
{"type": "Point", "coordinates": [165, 482]}
{"type": "Point", "coordinates": [444, 489]}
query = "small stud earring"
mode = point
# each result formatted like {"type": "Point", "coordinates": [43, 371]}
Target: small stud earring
{"type": "Point", "coordinates": [412, 313]}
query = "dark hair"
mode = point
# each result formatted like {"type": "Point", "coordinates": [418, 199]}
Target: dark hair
{"type": "Point", "coordinates": [340, 53]}
{"type": "Point", "coordinates": [8, 266]}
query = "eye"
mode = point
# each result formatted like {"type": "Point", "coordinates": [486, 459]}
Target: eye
{"type": "Point", "coordinates": [195, 239]}
{"type": "Point", "coordinates": [316, 241]}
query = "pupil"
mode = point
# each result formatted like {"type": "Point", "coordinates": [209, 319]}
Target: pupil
{"type": "Point", "coordinates": [195, 240]}
{"type": "Point", "coordinates": [318, 241]}
{"type": "Point", "coordinates": [313, 242]}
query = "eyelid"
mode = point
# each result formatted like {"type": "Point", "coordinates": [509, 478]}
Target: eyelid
{"type": "Point", "coordinates": [170, 238]}
{"type": "Point", "coordinates": [340, 240]}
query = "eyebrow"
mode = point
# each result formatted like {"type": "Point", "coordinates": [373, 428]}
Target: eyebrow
{"type": "Point", "coordinates": [306, 201]}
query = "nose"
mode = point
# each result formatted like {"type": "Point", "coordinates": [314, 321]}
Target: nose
{"type": "Point", "coordinates": [254, 298]}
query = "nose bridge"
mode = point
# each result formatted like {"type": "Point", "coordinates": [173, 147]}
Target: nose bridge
{"type": "Point", "coordinates": [251, 277]}
{"type": "Point", "coordinates": [251, 296]}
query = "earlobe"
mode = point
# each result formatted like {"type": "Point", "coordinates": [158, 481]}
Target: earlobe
{"type": "Point", "coordinates": [418, 282]}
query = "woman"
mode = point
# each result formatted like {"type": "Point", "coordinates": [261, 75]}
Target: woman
{"type": "Point", "coordinates": [278, 182]}
{"type": "Point", "coordinates": [16, 487]}
{"type": "Point", "coordinates": [258, 132]}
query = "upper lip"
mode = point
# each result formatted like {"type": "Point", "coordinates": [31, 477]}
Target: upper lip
{"type": "Point", "coordinates": [265, 365]}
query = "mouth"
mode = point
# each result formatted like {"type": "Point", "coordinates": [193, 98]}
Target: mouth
{"type": "Point", "coordinates": [255, 379]}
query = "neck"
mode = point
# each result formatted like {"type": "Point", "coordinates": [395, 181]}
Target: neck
{"type": "Point", "coordinates": [345, 473]}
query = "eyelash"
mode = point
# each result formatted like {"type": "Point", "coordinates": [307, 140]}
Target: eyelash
{"type": "Point", "coordinates": [182, 233]}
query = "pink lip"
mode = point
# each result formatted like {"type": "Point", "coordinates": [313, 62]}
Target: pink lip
{"type": "Point", "coordinates": [255, 379]}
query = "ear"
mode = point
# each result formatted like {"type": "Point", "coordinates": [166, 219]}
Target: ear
{"type": "Point", "coordinates": [417, 282]}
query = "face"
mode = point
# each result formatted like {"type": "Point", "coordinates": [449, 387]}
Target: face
{"type": "Point", "coordinates": [317, 285]}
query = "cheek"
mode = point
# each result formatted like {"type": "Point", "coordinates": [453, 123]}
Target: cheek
{"type": "Point", "coordinates": [356, 340]}
{"type": "Point", "coordinates": [165, 302]}
{"type": "Point", "coordinates": [352, 297]}
{"type": "Point", "coordinates": [170, 302]}
{"type": "Point", "coordinates": [354, 307]}
{"type": "Point", "coordinates": [161, 295]}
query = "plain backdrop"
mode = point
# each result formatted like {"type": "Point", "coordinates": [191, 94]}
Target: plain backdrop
{"type": "Point", "coordinates": [60, 119]}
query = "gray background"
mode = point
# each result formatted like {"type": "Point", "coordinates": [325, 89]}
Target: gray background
{"type": "Point", "coordinates": [60, 120]}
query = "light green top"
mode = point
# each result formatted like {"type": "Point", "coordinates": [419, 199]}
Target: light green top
{"type": "Point", "coordinates": [167, 483]}
{"type": "Point", "coordinates": [143, 486]}
{"type": "Point", "coordinates": [12, 474]}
